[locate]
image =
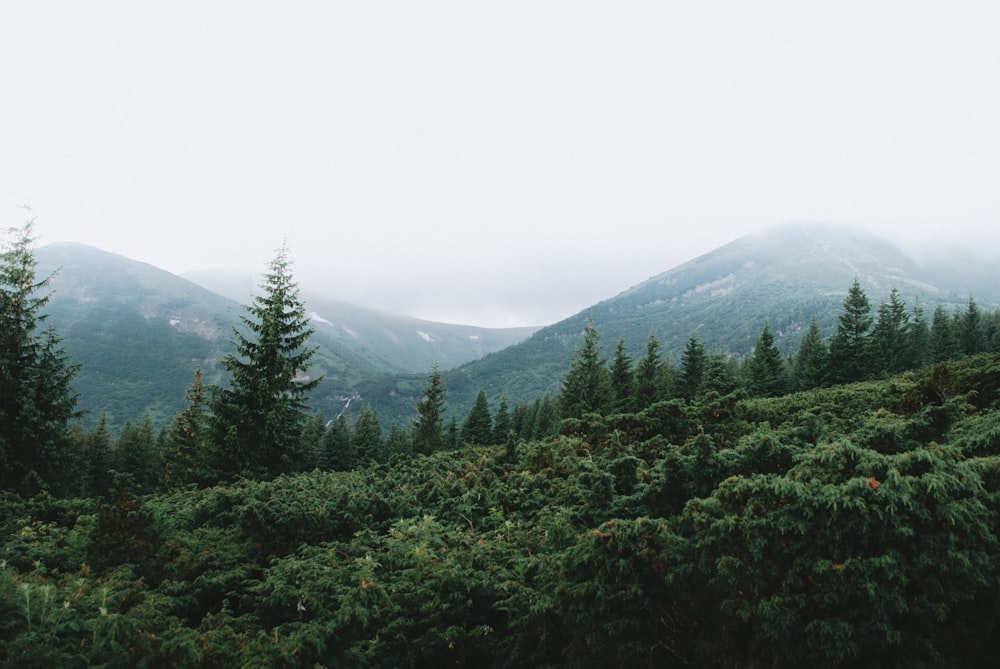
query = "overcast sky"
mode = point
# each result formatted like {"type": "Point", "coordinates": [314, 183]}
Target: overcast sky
{"type": "Point", "coordinates": [493, 163]}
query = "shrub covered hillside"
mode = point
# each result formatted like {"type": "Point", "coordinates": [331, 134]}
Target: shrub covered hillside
{"type": "Point", "coordinates": [846, 526]}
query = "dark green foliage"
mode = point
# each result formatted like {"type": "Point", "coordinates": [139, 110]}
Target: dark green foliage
{"type": "Point", "coordinates": [649, 376]}
{"type": "Point", "coordinates": [692, 369]}
{"type": "Point", "coordinates": [812, 362]}
{"type": "Point", "coordinates": [136, 455]}
{"type": "Point", "coordinates": [257, 419]}
{"type": "Point", "coordinates": [186, 455]}
{"type": "Point", "coordinates": [891, 344]}
{"type": "Point", "coordinates": [503, 422]}
{"type": "Point", "coordinates": [340, 451]}
{"type": "Point", "coordinates": [587, 386]}
{"type": "Point", "coordinates": [477, 429]}
{"type": "Point", "coordinates": [720, 374]}
{"type": "Point", "coordinates": [428, 430]}
{"type": "Point", "coordinates": [945, 343]}
{"type": "Point", "coordinates": [36, 398]}
{"type": "Point", "coordinates": [313, 454]}
{"type": "Point", "coordinates": [368, 438]}
{"type": "Point", "coordinates": [850, 347]}
{"type": "Point", "coordinates": [623, 382]}
{"type": "Point", "coordinates": [766, 375]}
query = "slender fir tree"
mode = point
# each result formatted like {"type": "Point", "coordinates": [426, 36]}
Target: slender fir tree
{"type": "Point", "coordinates": [587, 386]}
{"type": "Point", "coordinates": [850, 347]}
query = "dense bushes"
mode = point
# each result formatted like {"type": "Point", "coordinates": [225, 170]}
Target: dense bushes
{"type": "Point", "coordinates": [849, 526]}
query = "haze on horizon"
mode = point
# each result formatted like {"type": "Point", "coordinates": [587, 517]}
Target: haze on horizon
{"type": "Point", "coordinates": [494, 163]}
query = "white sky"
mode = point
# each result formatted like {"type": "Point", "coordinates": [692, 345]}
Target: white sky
{"type": "Point", "coordinates": [494, 163]}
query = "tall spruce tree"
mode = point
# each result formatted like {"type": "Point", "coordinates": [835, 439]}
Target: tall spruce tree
{"type": "Point", "coordinates": [339, 451]}
{"type": "Point", "coordinates": [767, 375]}
{"type": "Point", "coordinates": [944, 342]}
{"type": "Point", "coordinates": [850, 347]}
{"type": "Point", "coordinates": [692, 369]}
{"type": "Point", "coordinates": [368, 437]}
{"type": "Point", "coordinates": [503, 422]}
{"type": "Point", "coordinates": [622, 380]}
{"type": "Point", "coordinates": [649, 375]}
{"type": "Point", "coordinates": [477, 428]}
{"type": "Point", "coordinates": [891, 337]}
{"type": "Point", "coordinates": [186, 455]}
{"type": "Point", "coordinates": [811, 362]}
{"type": "Point", "coordinates": [428, 430]}
{"type": "Point", "coordinates": [970, 329]}
{"type": "Point", "coordinates": [257, 419]}
{"type": "Point", "coordinates": [36, 397]}
{"type": "Point", "coordinates": [587, 386]}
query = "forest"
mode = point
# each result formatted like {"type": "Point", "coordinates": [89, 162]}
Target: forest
{"type": "Point", "coordinates": [837, 507]}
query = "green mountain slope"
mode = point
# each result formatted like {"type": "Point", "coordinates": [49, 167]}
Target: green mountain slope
{"type": "Point", "coordinates": [140, 333]}
{"type": "Point", "coordinates": [786, 275]}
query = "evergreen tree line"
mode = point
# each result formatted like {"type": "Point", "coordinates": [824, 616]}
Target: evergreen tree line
{"type": "Point", "coordinates": [259, 425]}
{"type": "Point", "coordinates": [864, 346]}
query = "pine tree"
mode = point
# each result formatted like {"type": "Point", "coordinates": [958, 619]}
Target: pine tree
{"type": "Point", "coordinates": [368, 438]}
{"type": "Point", "coordinates": [918, 341]}
{"type": "Point", "coordinates": [720, 374]}
{"type": "Point", "coordinates": [944, 343]}
{"type": "Point", "coordinates": [98, 479]}
{"type": "Point", "coordinates": [890, 336]}
{"type": "Point", "coordinates": [850, 349]}
{"type": "Point", "coordinates": [587, 386]}
{"type": "Point", "coordinates": [649, 376]}
{"type": "Point", "coordinates": [477, 429]}
{"type": "Point", "coordinates": [186, 456]}
{"type": "Point", "coordinates": [428, 430]}
{"type": "Point", "coordinates": [258, 418]}
{"type": "Point", "coordinates": [135, 455]}
{"type": "Point", "coordinates": [398, 444]}
{"type": "Point", "coordinates": [36, 398]}
{"type": "Point", "coordinates": [544, 420]}
{"type": "Point", "coordinates": [767, 375]}
{"type": "Point", "coordinates": [692, 369]}
{"type": "Point", "coordinates": [338, 445]}
{"type": "Point", "coordinates": [311, 438]}
{"type": "Point", "coordinates": [812, 360]}
{"type": "Point", "coordinates": [503, 422]}
{"type": "Point", "coordinates": [622, 380]}
{"type": "Point", "coordinates": [971, 339]}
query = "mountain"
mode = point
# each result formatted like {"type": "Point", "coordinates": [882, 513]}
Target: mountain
{"type": "Point", "coordinates": [785, 275]}
{"type": "Point", "coordinates": [140, 334]}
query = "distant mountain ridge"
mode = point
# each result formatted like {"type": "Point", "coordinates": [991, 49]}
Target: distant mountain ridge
{"type": "Point", "coordinates": [785, 275]}
{"type": "Point", "coordinates": [140, 334]}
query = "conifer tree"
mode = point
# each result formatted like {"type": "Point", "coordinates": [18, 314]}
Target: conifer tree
{"type": "Point", "coordinates": [36, 398]}
{"type": "Point", "coordinates": [543, 422]}
{"type": "Point", "coordinates": [918, 340]}
{"type": "Point", "coordinates": [186, 455]}
{"type": "Point", "coordinates": [477, 429]}
{"type": "Point", "coordinates": [720, 373]}
{"type": "Point", "coordinates": [135, 455]}
{"type": "Point", "coordinates": [338, 446]}
{"type": "Point", "coordinates": [850, 348]}
{"type": "Point", "coordinates": [767, 376]}
{"type": "Point", "coordinates": [96, 461]}
{"type": "Point", "coordinates": [622, 380]}
{"type": "Point", "coordinates": [944, 342]}
{"type": "Point", "coordinates": [692, 369]}
{"type": "Point", "coordinates": [257, 419]}
{"type": "Point", "coordinates": [311, 438]}
{"type": "Point", "coordinates": [398, 444]}
{"type": "Point", "coordinates": [812, 360]}
{"type": "Point", "coordinates": [971, 339]}
{"type": "Point", "coordinates": [368, 438]}
{"type": "Point", "coordinates": [649, 376]}
{"type": "Point", "coordinates": [890, 336]}
{"type": "Point", "coordinates": [428, 430]}
{"type": "Point", "coordinates": [503, 422]}
{"type": "Point", "coordinates": [451, 434]}
{"type": "Point", "coordinates": [587, 386]}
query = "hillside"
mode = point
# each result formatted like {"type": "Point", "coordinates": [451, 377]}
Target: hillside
{"type": "Point", "coordinates": [140, 333]}
{"type": "Point", "coordinates": [785, 275]}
